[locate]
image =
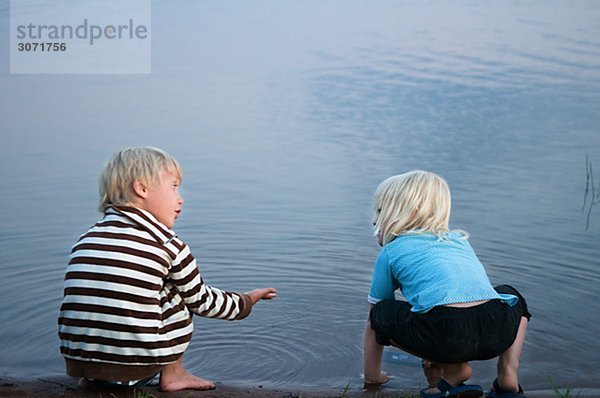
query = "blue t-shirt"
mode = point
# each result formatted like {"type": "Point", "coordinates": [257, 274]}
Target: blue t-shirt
{"type": "Point", "coordinates": [430, 271]}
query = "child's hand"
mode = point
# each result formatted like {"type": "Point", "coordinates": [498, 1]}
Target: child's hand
{"type": "Point", "coordinates": [267, 293]}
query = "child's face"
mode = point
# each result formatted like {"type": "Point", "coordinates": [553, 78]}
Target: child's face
{"type": "Point", "coordinates": [164, 201]}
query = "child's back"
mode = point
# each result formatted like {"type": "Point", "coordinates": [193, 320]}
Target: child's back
{"type": "Point", "coordinates": [452, 313]}
{"type": "Point", "coordinates": [132, 285]}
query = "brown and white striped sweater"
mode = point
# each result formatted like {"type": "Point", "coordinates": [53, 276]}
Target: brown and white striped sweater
{"type": "Point", "coordinates": [131, 287]}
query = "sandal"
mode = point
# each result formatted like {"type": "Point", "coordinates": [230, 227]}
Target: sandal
{"type": "Point", "coordinates": [460, 391]}
{"type": "Point", "coordinates": [497, 392]}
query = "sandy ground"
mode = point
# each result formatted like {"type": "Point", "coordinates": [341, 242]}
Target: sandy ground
{"type": "Point", "coordinates": [59, 387]}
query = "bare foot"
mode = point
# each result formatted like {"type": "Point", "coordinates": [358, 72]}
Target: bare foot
{"type": "Point", "coordinates": [186, 381]}
{"type": "Point", "coordinates": [173, 377]}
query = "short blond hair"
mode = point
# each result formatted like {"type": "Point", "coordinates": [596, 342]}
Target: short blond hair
{"type": "Point", "coordinates": [144, 164]}
{"type": "Point", "coordinates": [414, 202]}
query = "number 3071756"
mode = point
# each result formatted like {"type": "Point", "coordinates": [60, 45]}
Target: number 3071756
{"type": "Point", "coordinates": [42, 46]}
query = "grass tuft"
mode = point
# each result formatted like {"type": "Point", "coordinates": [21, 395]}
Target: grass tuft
{"type": "Point", "coordinates": [567, 393]}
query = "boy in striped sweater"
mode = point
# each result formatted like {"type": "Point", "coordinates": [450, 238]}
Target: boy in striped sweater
{"type": "Point", "coordinates": [131, 285]}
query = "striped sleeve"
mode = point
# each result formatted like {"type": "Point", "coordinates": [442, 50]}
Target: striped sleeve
{"type": "Point", "coordinates": [202, 299]}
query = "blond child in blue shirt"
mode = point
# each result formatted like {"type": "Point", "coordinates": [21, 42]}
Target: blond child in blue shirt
{"type": "Point", "coordinates": [452, 314]}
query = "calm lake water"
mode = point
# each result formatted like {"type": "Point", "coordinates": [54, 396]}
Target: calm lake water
{"type": "Point", "coordinates": [285, 116]}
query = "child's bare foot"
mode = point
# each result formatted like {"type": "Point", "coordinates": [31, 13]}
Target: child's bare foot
{"type": "Point", "coordinates": [187, 382]}
{"type": "Point", "coordinates": [174, 377]}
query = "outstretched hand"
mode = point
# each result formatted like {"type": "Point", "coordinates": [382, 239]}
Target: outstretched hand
{"type": "Point", "coordinates": [267, 293]}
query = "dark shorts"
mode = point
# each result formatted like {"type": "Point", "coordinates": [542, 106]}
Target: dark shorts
{"type": "Point", "coordinates": [450, 334]}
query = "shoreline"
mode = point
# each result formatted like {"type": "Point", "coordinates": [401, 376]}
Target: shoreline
{"type": "Point", "coordinates": [66, 387]}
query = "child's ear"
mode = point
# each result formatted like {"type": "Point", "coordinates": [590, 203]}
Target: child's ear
{"type": "Point", "coordinates": [140, 189]}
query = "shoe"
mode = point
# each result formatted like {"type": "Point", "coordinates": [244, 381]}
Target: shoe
{"type": "Point", "coordinates": [497, 392]}
{"type": "Point", "coordinates": [460, 391]}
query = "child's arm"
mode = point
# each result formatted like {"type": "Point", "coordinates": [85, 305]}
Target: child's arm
{"type": "Point", "coordinates": [373, 352]}
{"type": "Point", "coordinates": [208, 301]}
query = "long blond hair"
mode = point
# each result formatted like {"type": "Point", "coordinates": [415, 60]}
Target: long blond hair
{"type": "Point", "coordinates": [414, 202]}
{"type": "Point", "coordinates": [145, 164]}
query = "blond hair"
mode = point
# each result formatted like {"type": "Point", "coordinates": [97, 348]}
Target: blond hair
{"type": "Point", "coordinates": [414, 202]}
{"type": "Point", "coordinates": [144, 164]}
